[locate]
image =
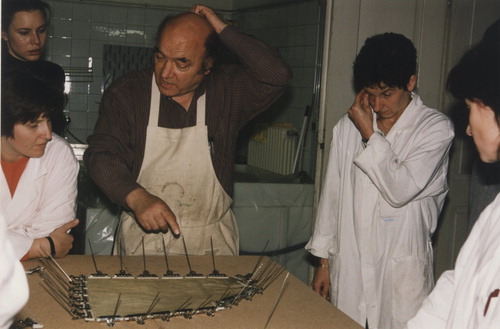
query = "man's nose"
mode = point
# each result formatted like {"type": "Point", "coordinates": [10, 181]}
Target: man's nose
{"type": "Point", "coordinates": [167, 69]}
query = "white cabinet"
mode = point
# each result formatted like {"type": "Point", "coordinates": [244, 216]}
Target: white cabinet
{"type": "Point", "coordinates": [275, 214]}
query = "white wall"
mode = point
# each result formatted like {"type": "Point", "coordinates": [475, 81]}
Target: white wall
{"type": "Point", "coordinates": [292, 29]}
{"type": "Point", "coordinates": [77, 34]}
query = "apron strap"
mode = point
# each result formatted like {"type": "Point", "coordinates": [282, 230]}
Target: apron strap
{"type": "Point", "coordinates": [154, 108]}
{"type": "Point", "coordinates": [200, 113]}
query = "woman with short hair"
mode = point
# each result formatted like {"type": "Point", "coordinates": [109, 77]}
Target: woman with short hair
{"type": "Point", "coordinates": [38, 178]}
{"type": "Point", "coordinates": [469, 295]}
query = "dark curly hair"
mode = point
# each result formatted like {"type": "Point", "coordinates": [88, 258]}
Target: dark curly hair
{"type": "Point", "coordinates": [25, 98]}
{"type": "Point", "coordinates": [477, 74]}
{"type": "Point", "coordinates": [387, 58]}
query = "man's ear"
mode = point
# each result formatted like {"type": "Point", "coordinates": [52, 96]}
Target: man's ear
{"type": "Point", "coordinates": [209, 63]}
{"type": "Point", "coordinates": [4, 36]}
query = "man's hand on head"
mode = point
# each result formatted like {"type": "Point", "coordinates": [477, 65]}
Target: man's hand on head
{"type": "Point", "coordinates": [217, 23]}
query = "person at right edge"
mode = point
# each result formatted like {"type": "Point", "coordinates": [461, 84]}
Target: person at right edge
{"type": "Point", "coordinates": [383, 192]}
{"type": "Point", "coordinates": [468, 296]}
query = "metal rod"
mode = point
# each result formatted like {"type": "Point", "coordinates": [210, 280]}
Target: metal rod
{"type": "Point", "coordinates": [204, 303]}
{"type": "Point", "coordinates": [143, 255]}
{"type": "Point", "coordinates": [278, 297]}
{"type": "Point", "coordinates": [302, 135]}
{"type": "Point", "coordinates": [213, 256]}
{"type": "Point", "coordinates": [120, 252]}
{"type": "Point", "coordinates": [273, 278]}
{"type": "Point", "coordinates": [117, 304]}
{"type": "Point", "coordinates": [260, 258]}
{"type": "Point", "coordinates": [52, 269]}
{"type": "Point", "coordinates": [67, 308]}
{"type": "Point", "coordinates": [165, 254]}
{"type": "Point", "coordinates": [186, 303]}
{"type": "Point", "coordinates": [269, 262]}
{"type": "Point", "coordinates": [186, 253]}
{"type": "Point", "coordinates": [153, 304]}
{"type": "Point", "coordinates": [58, 266]}
{"type": "Point", "coordinates": [224, 294]}
{"type": "Point", "coordinates": [56, 291]}
{"type": "Point", "coordinates": [93, 258]}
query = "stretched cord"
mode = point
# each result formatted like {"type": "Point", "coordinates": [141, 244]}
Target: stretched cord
{"type": "Point", "coordinates": [275, 252]}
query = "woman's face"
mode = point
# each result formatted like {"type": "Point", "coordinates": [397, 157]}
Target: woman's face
{"type": "Point", "coordinates": [485, 130]}
{"type": "Point", "coordinates": [26, 35]}
{"type": "Point", "coordinates": [29, 140]}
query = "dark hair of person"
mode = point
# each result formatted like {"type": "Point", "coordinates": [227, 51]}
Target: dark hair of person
{"type": "Point", "coordinates": [11, 7]}
{"type": "Point", "coordinates": [212, 43]}
{"type": "Point", "coordinates": [477, 74]}
{"type": "Point", "coordinates": [387, 58]}
{"type": "Point", "coordinates": [25, 98]}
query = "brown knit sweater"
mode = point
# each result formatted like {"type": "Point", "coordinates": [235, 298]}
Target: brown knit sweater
{"type": "Point", "coordinates": [235, 95]}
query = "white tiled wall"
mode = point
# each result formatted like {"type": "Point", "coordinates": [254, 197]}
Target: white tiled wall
{"type": "Point", "coordinates": [293, 30]}
{"type": "Point", "coordinates": [79, 30]}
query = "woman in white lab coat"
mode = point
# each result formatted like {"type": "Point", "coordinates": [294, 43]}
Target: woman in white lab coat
{"type": "Point", "coordinates": [385, 186]}
{"type": "Point", "coordinates": [13, 284]}
{"type": "Point", "coordinates": [39, 170]}
{"type": "Point", "coordinates": [469, 296]}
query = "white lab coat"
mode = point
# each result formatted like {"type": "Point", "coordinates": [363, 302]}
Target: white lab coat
{"type": "Point", "coordinates": [45, 196]}
{"type": "Point", "coordinates": [459, 299]}
{"type": "Point", "coordinates": [378, 209]}
{"type": "Point", "coordinates": [13, 284]}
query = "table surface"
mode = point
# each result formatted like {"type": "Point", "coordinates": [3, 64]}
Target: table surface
{"type": "Point", "coordinates": [298, 307]}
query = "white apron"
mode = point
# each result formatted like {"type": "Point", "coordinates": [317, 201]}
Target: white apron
{"type": "Point", "coordinates": [177, 167]}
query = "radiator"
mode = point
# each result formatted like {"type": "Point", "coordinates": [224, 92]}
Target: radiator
{"type": "Point", "coordinates": [273, 150]}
